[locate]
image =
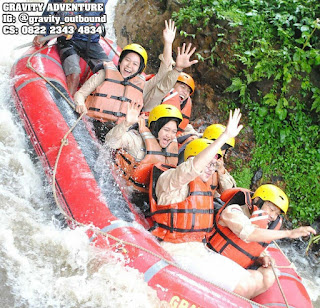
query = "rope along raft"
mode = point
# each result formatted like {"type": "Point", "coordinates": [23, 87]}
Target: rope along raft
{"type": "Point", "coordinates": [64, 142]}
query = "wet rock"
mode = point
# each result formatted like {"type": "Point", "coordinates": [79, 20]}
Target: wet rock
{"type": "Point", "coordinates": [256, 178]}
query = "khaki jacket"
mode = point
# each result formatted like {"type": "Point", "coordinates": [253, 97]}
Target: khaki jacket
{"type": "Point", "coordinates": [88, 87]}
{"type": "Point", "coordinates": [154, 89]}
{"type": "Point", "coordinates": [236, 218]}
{"type": "Point", "coordinates": [120, 137]}
{"type": "Point", "coordinates": [172, 185]}
{"type": "Point", "coordinates": [158, 87]}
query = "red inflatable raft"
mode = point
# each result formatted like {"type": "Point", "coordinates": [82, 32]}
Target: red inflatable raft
{"type": "Point", "coordinates": [89, 194]}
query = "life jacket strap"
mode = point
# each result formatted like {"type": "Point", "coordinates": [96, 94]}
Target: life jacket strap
{"type": "Point", "coordinates": [183, 211]}
{"type": "Point", "coordinates": [171, 229]}
{"type": "Point", "coordinates": [201, 193]}
{"type": "Point", "coordinates": [183, 138]}
{"type": "Point", "coordinates": [117, 114]}
{"type": "Point", "coordinates": [119, 98]}
{"type": "Point", "coordinates": [125, 82]}
{"type": "Point", "coordinates": [167, 154]}
{"type": "Point", "coordinates": [229, 242]}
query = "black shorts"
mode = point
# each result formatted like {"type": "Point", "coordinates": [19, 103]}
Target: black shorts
{"type": "Point", "coordinates": [70, 52]}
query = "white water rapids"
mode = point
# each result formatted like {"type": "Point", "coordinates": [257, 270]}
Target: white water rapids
{"type": "Point", "coordinates": [42, 264]}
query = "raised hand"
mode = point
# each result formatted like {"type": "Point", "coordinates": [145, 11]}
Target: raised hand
{"type": "Point", "coordinates": [233, 128]}
{"type": "Point", "coordinates": [169, 32]}
{"type": "Point", "coordinates": [183, 57]}
{"type": "Point", "coordinates": [133, 112]}
{"type": "Point", "coordinates": [142, 123]}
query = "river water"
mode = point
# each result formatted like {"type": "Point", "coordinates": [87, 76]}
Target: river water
{"type": "Point", "coordinates": [44, 265]}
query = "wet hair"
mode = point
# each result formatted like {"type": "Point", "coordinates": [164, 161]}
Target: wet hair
{"type": "Point", "coordinates": [141, 67]}
{"type": "Point", "coordinates": [155, 126]}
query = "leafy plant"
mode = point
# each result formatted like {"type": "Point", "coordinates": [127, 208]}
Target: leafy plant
{"type": "Point", "coordinates": [243, 176]}
{"type": "Point", "coordinates": [279, 42]}
{"type": "Point", "coordinates": [313, 240]}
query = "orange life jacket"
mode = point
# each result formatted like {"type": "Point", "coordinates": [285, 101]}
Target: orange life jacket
{"type": "Point", "coordinates": [225, 242]}
{"type": "Point", "coordinates": [138, 173]}
{"type": "Point", "coordinates": [172, 98]}
{"type": "Point", "coordinates": [109, 102]}
{"type": "Point", "coordinates": [186, 221]}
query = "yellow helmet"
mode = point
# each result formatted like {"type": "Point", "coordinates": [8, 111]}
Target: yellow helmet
{"type": "Point", "coordinates": [214, 131]}
{"type": "Point", "coordinates": [139, 50]}
{"type": "Point", "coordinates": [274, 194]}
{"type": "Point", "coordinates": [188, 80]}
{"type": "Point", "coordinates": [164, 111]}
{"type": "Point", "coordinates": [195, 146]}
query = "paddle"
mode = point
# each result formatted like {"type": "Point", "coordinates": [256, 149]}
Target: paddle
{"type": "Point", "coordinates": [42, 40]}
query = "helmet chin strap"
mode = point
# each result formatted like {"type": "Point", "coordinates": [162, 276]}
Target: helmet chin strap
{"type": "Point", "coordinates": [259, 203]}
{"type": "Point", "coordinates": [141, 67]}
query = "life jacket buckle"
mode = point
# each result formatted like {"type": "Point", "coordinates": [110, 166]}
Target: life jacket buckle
{"type": "Point", "coordinates": [125, 82]}
{"type": "Point", "coordinates": [123, 99]}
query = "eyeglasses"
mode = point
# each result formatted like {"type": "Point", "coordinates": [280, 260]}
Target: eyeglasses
{"type": "Point", "coordinates": [212, 165]}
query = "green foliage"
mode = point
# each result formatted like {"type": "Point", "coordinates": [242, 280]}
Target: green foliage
{"type": "Point", "coordinates": [313, 240]}
{"type": "Point", "coordinates": [279, 41]}
{"type": "Point", "coordinates": [243, 176]}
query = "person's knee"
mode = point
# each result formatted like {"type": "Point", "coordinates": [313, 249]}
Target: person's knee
{"type": "Point", "coordinates": [255, 282]}
{"type": "Point", "coordinates": [248, 284]}
{"type": "Point", "coordinates": [268, 277]}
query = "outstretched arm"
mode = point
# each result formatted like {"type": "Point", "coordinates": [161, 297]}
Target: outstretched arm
{"type": "Point", "coordinates": [169, 34]}
{"type": "Point", "coordinates": [239, 223]}
{"type": "Point", "coordinates": [232, 130]}
{"type": "Point", "coordinates": [265, 235]}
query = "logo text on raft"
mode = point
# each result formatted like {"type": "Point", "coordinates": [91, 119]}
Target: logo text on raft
{"type": "Point", "coordinates": [177, 302]}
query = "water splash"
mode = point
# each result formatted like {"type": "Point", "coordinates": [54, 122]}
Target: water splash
{"type": "Point", "coordinates": [42, 265]}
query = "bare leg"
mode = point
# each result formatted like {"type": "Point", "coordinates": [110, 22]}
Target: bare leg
{"type": "Point", "coordinates": [255, 283]}
{"type": "Point", "coordinates": [73, 82]}
{"type": "Point", "coordinates": [268, 279]}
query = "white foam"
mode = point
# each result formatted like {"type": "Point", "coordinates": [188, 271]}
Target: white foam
{"type": "Point", "coordinates": [42, 265]}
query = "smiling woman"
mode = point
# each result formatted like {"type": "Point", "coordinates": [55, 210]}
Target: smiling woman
{"type": "Point", "coordinates": [138, 150]}
{"type": "Point", "coordinates": [167, 133]}
{"type": "Point", "coordinates": [102, 96]}
{"type": "Point", "coordinates": [130, 64]}
{"type": "Point", "coordinates": [42, 263]}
